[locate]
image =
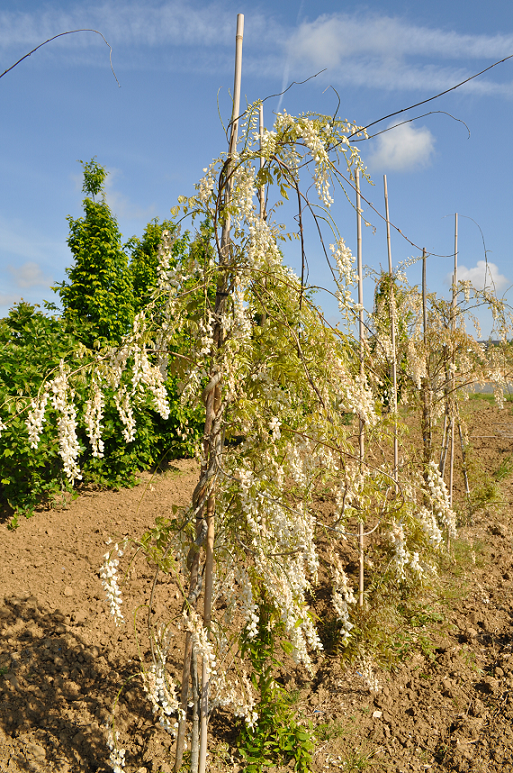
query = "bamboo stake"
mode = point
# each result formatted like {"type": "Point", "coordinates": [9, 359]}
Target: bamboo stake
{"type": "Point", "coordinates": [427, 435]}
{"type": "Point", "coordinates": [195, 734]}
{"type": "Point", "coordinates": [424, 294]}
{"type": "Point", "coordinates": [391, 300]}
{"type": "Point", "coordinates": [445, 445]}
{"type": "Point", "coordinates": [361, 334]}
{"type": "Point", "coordinates": [464, 460]}
{"type": "Point", "coordinates": [453, 328]}
{"type": "Point", "coordinates": [262, 188]}
{"type": "Point", "coordinates": [214, 402]}
{"type": "Point", "coordinates": [262, 196]}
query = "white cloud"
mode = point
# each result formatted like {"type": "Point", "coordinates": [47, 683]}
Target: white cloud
{"type": "Point", "coordinates": [7, 300]}
{"type": "Point", "coordinates": [483, 272]}
{"type": "Point", "coordinates": [403, 149]}
{"type": "Point", "coordinates": [28, 275]}
{"type": "Point", "coordinates": [121, 206]}
{"type": "Point", "coordinates": [133, 25]}
{"type": "Point", "coordinates": [360, 49]}
{"type": "Point", "coordinates": [383, 52]}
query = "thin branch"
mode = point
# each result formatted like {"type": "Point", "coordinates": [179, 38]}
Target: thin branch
{"type": "Point", "coordinates": [430, 99]}
{"type": "Point", "coordinates": [69, 32]}
{"type": "Point", "coordinates": [279, 94]}
{"type": "Point", "coordinates": [410, 120]}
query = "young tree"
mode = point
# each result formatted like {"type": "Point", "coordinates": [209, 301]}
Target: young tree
{"type": "Point", "coordinates": [98, 299]}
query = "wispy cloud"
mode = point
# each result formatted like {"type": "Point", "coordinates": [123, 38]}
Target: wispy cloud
{"type": "Point", "coordinates": [389, 53]}
{"type": "Point", "coordinates": [28, 275]}
{"type": "Point", "coordinates": [177, 22]}
{"type": "Point", "coordinates": [403, 149]}
{"type": "Point", "coordinates": [7, 300]}
{"type": "Point", "coordinates": [367, 50]}
{"type": "Point", "coordinates": [121, 206]}
{"type": "Point", "coordinates": [483, 274]}
{"type": "Point", "coordinates": [19, 240]}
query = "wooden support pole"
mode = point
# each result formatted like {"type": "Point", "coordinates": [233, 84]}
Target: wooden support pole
{"type": "Point", "coordinates": [261, 194]}
{"type": "Point", "coordinates": [452, 380]}
{"type": "Point", "coordinates": [391, 301]}
{"type": "Point", "coordinates": [427, 432]}
{"type": "Point", "coordinates": [361, 334]}
{"type": "Point", "coordinates": [213, 404]}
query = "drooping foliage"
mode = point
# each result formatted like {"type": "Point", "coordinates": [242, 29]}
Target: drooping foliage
{"type": "Point", "coordinates": [144, 259]}
{"type": "Point", "coordinates": [244, 342]}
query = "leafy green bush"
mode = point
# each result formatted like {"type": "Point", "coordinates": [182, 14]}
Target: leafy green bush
{"type": "Point", "coordinates": [31, 346]}
{"type": "Point", "coordinates": [98, 300]}
{"type": "Point", "coordinates": [104, 292]}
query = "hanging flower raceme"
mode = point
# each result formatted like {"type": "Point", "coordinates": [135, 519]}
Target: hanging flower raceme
{"type": "Point", "coordinates": [439, 497]}
{"type": "Point", "coordinates": [109, 577]}
{"type": "Point", "coordinates": [93, 416]}
{"type": "Point", "coordinates": [62, 398]}
{"type": "Point", "coordinates": [343, 596]}
{"type": "Point", "coordinates": [161, 691]}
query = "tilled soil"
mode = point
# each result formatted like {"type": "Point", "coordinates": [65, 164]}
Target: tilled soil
{"type": "Point", "coordinates": [62, 661]}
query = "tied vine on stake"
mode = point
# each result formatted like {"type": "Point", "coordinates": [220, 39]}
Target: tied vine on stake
{"type": "Point", "coordinates": [277, 384]}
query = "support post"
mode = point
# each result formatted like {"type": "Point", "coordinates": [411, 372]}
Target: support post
{"type": "Point", "coordinates": [214, 401]}
{"type": "Point", "coordinates": [391, 301]}
{"type": "Point", "coordinates": [361, 333]}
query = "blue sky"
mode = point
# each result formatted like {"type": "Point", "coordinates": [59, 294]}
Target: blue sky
{"type": "Point", "coordinates": [174, 62]}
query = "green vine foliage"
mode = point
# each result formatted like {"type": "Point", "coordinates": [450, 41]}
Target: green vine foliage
{"type": "Point", "coordinates": [381, 330]}
{"type": "Point", "coordinates": [277, 737]}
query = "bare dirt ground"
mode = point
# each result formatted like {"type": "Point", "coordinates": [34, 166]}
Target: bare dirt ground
{"type": "Point", "coordinates": [448, 707]}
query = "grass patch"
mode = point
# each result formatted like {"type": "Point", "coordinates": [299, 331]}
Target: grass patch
{"type": "Point", "coordinates": [504, 469]}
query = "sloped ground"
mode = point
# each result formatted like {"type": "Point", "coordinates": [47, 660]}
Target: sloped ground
{"type": "Point", "coordinates": [448, 707]}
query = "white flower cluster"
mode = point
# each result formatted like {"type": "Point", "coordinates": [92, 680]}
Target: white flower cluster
{"type": "Point", "coordinates": [93, 417]}
{"type": "Point", "coordinates": [69, 448]}
{"type": "Point", "coordinates": [2, 427]}
{"type": "Point", "coordinates": [346, 278]}
{"type": "Point", "coordinates": [238, 694]}
{"type": "Point", "coordinates": [430, 527]}
{"type": "Point", "coordinates": [439, 497]}
{"type": "Point", "coordinates": [267, 142]}
{"type": "Point", "coordinates": [261, 247]}
{"type": "Point", "coordinates": [36, 419]}
{"type": "Point", "coordinates": [242, 593]}
{"type": "Point", "coordinates": [274, 426]}
{"type": "Point", "coordinates": [244, 190]}
{"type": "Point", "coordinates": [62, 399]}
{"type": "Point", "coordinates": [147, 375]}
{"type": "Point", "coordinates": [284, 556]}
{"type": "Point", "coordinates": [342, 596]}
{"type": "Point", "coordinates": [200, 642]}
{"type": "Point", "coordinates": [315, 144]}
{"type": "Point", "coordinates": [239, 325]}
{"type": "Point", "coordinates": [117, 755]}
{"type": "Point", "coordinates": [123, 401]}
{"type": "Point", "coordinates": [207, 183]}
{"type": "Point", "coordinates": [161, 691]}
{"type": "Point", "coordinates": [109, 578]}
{"type": "Point", "coordinates": [415, 363]}
{"type": "Point", "coordinates": [402, 556]}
